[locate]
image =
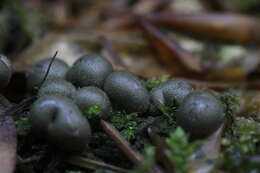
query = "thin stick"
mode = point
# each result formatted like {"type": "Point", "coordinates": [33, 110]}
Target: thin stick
{"type": "Point", "coordinates": [28, 101]}
{"type": "Point", "coordinates": [121, 142]}
{"type": "Point", "coordinates": [134, 156]}
{"type": "Point", "coordinates": [48, 70]}
{"type": "Point", "coordinates": [93, 164]}
{"type": "Point", "coordinates": [21, 106]}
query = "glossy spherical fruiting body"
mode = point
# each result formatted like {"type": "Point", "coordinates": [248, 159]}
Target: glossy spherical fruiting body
{"type": "Point", "coordinates": [127, 92]}
{"type": "Point", "coordinates": [170, 93]}
{"type": "Point", "coordinates": [88, 97]}
{"type": "Point", "coordinates": [89, 70]}
{"type": "Point", "coordinates": [200, 113]}
{"type": "Point", "coordinates": [57, 86]}
{"type": "Point", "coordinates": [59, 120]}
{"type": "Point", "coordinates": [36, 73]}
{"type": "Point", "coordinates": [5, 71]}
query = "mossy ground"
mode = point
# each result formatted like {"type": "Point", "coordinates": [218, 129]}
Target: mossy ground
{"type": "Point", "coordinates": [240, 142]}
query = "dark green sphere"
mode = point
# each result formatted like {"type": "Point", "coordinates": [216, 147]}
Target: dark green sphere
{"type": "Point", "coordinates": [5, 71]}
{"type": "Point", "coordinates": [88, 97]}
{"type": "Point", "coordinates": [89, 70]}
{"type": "Point", "coordinates": [170, 93]}
{"type": "Point", "coordinates": [127, 92]}
{"type": "Point", "coordinates": [36, 73]}
{"type": "Point", "coordinates": [60, 121]}
{"type": "Point", "coordinates": [57, 86]}
{"type": "Point", "coordinates": [200, 113]}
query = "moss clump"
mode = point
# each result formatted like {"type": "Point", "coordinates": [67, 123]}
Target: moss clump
{"type": "Point", "coordinates": [156, 81]}
{"type": "Point", "coordinates": [168, 110]}
{"type": "Point", "coordinates": [241, 145]}
{"type": "Point", "coordinates": [22, 125]}
{"type": "Point", "coordinates": [230, 101]}
{"type": "Point", "coordinates": [179, 149]}
{"type": "Point", "coordinates": [125, 123]}
{"type": "Point", "coordinates": [93, 111]}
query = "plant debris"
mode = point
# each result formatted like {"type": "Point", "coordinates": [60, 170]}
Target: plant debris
{"type": "Point", "coordinates": [142, 60]}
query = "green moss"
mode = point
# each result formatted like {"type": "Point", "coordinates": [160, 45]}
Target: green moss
{"type": "Point", "coordinates": [245, 136]}
{"type": "Point", "coordinates": [125, 123]}
{"type": "Point", "coordinates": [179, 149]}
{"type": "Point", "coordinates": [241, 145]}
{"type": "Point", "coordinates": [230, 101]}
{"type": "Point", "coordinates": [168, 110]}
{"type": "Point", "coordinates": [241, 139]}
{"type": "Point", "coordinates": [93, 111]}
{"type": "Point", "coordinates": [22, 125]}
{"type": "Point", "coordinates": [154, 82]}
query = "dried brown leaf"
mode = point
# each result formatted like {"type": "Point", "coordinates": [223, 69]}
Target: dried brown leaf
{"type": "Point", "coordinates": [7, 144]}
{"type": "Point", "coordinates": [224, 27]}
{"type": "Point", "coordinates": [205, 158]}
{"type": "Point", "coordinates": [170, 53]}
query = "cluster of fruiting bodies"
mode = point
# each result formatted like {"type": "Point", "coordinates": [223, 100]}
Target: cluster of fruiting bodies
{"type": "Point", "coordinates": [57, 114]}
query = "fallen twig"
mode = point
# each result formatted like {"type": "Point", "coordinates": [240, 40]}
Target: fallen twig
{"type": "Point", "coordinates": [93, 164]}
{"type": "Point", "coordinates": [125, 146]}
